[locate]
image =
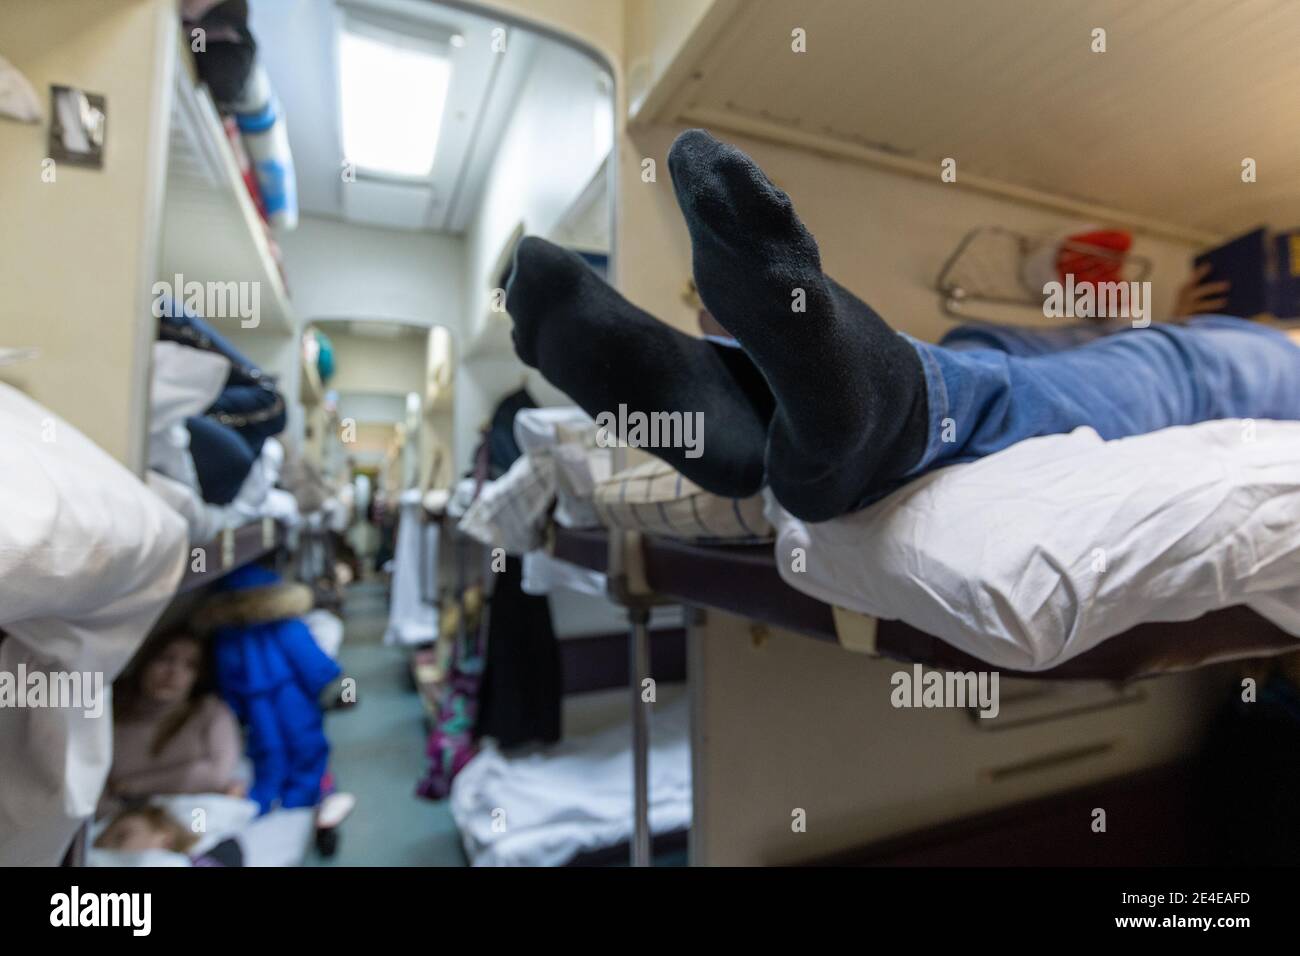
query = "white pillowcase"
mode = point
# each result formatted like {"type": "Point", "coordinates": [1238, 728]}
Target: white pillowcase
{"type": "Point", "coordinates": [89, 557]}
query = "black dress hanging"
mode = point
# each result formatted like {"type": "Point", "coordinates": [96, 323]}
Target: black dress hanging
{"type": "Point", "coordinates": [519, 697]}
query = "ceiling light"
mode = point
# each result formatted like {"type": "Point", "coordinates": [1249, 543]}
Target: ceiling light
{"type": "Point", "coordinates": [375, 329]}
{"type": "Point", "coordinates": [393, 91]}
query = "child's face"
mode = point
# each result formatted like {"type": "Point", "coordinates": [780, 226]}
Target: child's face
{"type": "Point", "coordinates": [169, 678]}
{"type": "Point", "coordinates": [133, 833]}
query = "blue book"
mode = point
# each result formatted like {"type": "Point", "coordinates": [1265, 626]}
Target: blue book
{"type": "Point", "coordinates": [1286, 280]}
{"type": "Point", "coordinates": [1243, 262]}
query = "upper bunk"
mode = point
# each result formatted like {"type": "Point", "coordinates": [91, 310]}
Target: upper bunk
{"type": "Point", "coordinates": [744, 581]}
{"type": "Point", "coordinates": [1082, 109]}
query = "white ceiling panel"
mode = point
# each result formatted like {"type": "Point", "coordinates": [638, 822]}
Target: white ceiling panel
{"type": "Point", "coordinates": [396, 205]}
{"type": "Point", "coordinates": [1157, 125]}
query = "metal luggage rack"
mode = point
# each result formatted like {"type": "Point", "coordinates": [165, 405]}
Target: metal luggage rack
{"type": "Point", "coordinates": [986, 267]}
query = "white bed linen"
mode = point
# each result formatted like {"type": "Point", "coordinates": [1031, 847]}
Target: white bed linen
{"type": "Point", "coordinates": [577, 467]}
{"type": "Point", "coordinates": [543, 807]}
{"type": "Point", "coordinates": [185, 383]}
{"type": "Point", "coordinates": [410, 620]}
{"type": "Point", "coordinates": [257, 498]}
{"type": "Point", "coordinates": [543, 573]}
{"type": "Point", "coordinates": [89, 557]}
{"type": "Point", "coordinates": [278, 838]}
{"type": "Point", "coordinates": [1034, 555]}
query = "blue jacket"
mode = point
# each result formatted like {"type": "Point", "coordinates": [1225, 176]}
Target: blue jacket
{"type": "Point", "coordinates": [270, 671]}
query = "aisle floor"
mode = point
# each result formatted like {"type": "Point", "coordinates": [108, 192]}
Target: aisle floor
{"type": "Point", "coordinates": [378, 753]}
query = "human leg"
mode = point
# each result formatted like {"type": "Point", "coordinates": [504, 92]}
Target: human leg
{"type": "Point", "coordinates": [983, 400]}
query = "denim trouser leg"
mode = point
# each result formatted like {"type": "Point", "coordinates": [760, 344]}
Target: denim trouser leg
{"type": "Point", "coordinates": [983, 399]}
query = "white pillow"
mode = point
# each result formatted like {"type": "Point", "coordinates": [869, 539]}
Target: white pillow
{"type": "Point", "coordinates": [89, 557]}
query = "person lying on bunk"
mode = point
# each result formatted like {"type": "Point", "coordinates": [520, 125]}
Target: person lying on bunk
{"type": "Point", "coordinates": [170, 734]}
{"type": "Point", "coordinates": [823, 401]}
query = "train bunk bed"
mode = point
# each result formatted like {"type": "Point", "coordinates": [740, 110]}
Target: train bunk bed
{"type": "Point", "coordinates": [562, 814]}
{"type": "Point", "coordinates": [1062, 568]}
{"type": "Point", "coordinates": [1071, 738]}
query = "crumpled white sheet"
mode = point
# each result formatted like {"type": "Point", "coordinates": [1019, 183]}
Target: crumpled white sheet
{"type": "Point", "coordinates": [89, 557]}
{"type": "Point", "coordinates": [544, 573]}
{"type": "Point", "coordinates": [257, 497]}
{"type": "Point", "coordinates": [511, 512]}
{"type": "Point", "coordinates": [410, 620]}
{"type": "Point", "coordinates": [578, 468]}
{"type": "Point", "coordinates": [543, 807]}
{"type": "Point", "coordinates": [1034, 555]}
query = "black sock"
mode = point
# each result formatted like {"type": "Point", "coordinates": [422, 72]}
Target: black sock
{"type": "Point", "coordinates": [851, 410]}
{"type": "Point", "coordinates": [749, 380]}
{"type": "Point", "coordinates": [603, 352]}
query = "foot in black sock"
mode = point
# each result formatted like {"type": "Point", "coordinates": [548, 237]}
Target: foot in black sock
{"type": "Point", "coordinates": [603, 352]}
{"type": "Point", "coordinates": [851, 410]}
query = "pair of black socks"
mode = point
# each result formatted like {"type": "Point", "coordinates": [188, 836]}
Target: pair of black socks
{"type": "Point", "coordinates": [826, 403]}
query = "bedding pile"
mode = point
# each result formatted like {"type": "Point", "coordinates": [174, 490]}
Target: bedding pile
{"type": "Point", "coordinates": [559, 465]}
{"type": "Point", "coordinates": [84, 573]}
{"type": "Point", "coordinates": [212, 418]}
{"type": "Point", "coordinates": [544, 807]}
{"type": "Point", "coordinates": [1032, 556]}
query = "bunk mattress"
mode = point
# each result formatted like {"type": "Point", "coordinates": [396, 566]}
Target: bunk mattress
{"type": "Point", "coordinates": [1034, 556]}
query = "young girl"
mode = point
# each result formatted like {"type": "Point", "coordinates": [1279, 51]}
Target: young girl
{"type": "Point", "coordinates": [152, 828]}
{"type": "Point", "coordinates": [170, 733]}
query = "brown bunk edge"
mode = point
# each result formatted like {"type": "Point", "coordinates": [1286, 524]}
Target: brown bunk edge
{"type": "Point", "coordinates": [744, 581]}
{"type": "Point", "coordinates": [587, 548]}
{"type": "Point", "coordinates": [248, 544]}
{"type": "Point", "coordinates": [601, 661]}
{"type": "Point", "coordinates": [740, 579]}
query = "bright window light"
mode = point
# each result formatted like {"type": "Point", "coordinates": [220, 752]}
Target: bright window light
{"type": "Point", "coordinates": [393, 94]}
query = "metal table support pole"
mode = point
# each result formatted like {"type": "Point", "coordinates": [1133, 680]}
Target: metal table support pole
{"type": "Point", "coordinates": [639, 657]}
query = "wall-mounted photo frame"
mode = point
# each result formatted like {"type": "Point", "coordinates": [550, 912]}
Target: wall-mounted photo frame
{"type": "Point", "coordinates": [78, 127]}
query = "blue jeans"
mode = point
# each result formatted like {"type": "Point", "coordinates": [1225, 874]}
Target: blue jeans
{"type": "Point", "coordinates": [992, 386]}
